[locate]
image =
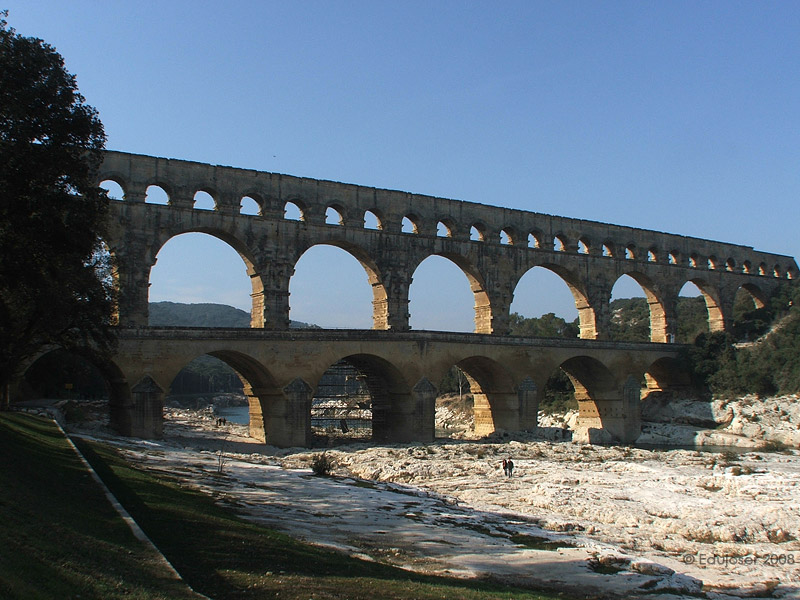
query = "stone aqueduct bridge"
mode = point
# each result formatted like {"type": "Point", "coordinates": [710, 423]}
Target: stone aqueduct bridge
{"type": "Point", "coordinates": [281, 367]}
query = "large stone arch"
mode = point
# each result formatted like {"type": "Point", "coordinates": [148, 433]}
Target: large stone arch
{"type": "Point", "coordinates": [660, 319]}
{"type": "Point", "coordinates": [756, 293]}
{"type": "Point", "coordinates": [714, 304]}
{"type": "Point", "coordinates": [265, 399]}
{"type": "Point", "coordinates": [477, 284]}
{"type": "Point", "coordinates": [399, 413]}
{"type": "Point", "coordinates": [496, 402]}
{"type": "Point", "coordinates": [257, 314]}
{"type": "Point", "coordinates": [380, 304]}
{"type": "Point", "coordinates": [609, 410]}
{"type": "Point", "coordinates": [587, 317]}
{"type": "Point", "coordinates": [122, 415]}
{"type": "Point", "coordinates": [667, 376]}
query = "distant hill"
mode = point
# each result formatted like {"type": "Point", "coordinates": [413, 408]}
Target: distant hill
{"type": "Point", "coordinates": [177, 314]}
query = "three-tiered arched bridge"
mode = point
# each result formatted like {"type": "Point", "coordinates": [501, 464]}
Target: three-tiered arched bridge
{"type": "Point", "coordinates": [493, 246]}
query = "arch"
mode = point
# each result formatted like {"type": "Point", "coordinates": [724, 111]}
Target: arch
{"type": "Point", "coordinates": [372, 220]}
{"type": "Point", "coordinates": [560, 243]}
{"type": "Point", "coordinates": [240, 374]}
{"type": "Point", "coordinates": [113, 189]}
{"type": "Point", "coordinates": [203, 200]}
{"type": "Point", "coordinates": [477, 232]}
{"type": "Point", "coordinates": [713, 263]}
{"type": "Point", "coordinates": [204, 374]}
{"type": "Point", "coordinates": [762, 269]}
{"type": "Point", "coordinates": [591, 379]}
{"type": "Point", "coordinates": [749, 318]}
{"type": "Point", "coordinates": [716, 319]}
{"type": "Point", "coordinates": [777, 271]}
{"type": "Point", "coordinates": [546, 291]}
{"type": "Point", "coordinates": [333, 215]}
{"type": "Point", "coordinates": [535, 239]}
{"type": "Point", "coordinates": [454, 414]}
{"type": "Point", "coordinates": [694, 260]}
{"type": "Point", "coordinates": [609, 249]}
{"type": "Point", "coordinates": [632, 330]}
{"type": "Point", "coordinates": [410, 224]}
{"type": "Point", "coordinates": [730, 265]}
{"type": "Point", "coordinates": [652, 255]}
{"type": "Point", "coordinates": [508, 236]}
{"type": "Point", "coordinates": [294, 211]}
{"type": "Point", "coordinates": [630, 252]}
{"type": "Point", "coordinates": [351, 281]}
{"type": "Point", "coordinates": [249, 205]}
{"type": "Point", "coordinates": [157, 194]}
{"type": "Point", "coordinates": [673, 257]}
{"type": "Point", "coordinates": [62, 374]}
{"type": "Point", "coordinates": [665, 377]}
{"type": "Point", "coordinates": [176, 275]}
{"type": "Point", "coordinates": [445, 280]}
{"type": "Point", "coordinates": [389, 397]}
{"type": "Point", "coordinates": [495, 402]}
{"type": "Point", "coordinates": [444, 228]}
{"type": "Point", "coordinates": [584, 247]}
{"type": "Point", "coordinates": [691, 313]}
{"type": "Point", "coordinates": [80, 374]}
{"type": "Point", "coordinates": [747, 267]}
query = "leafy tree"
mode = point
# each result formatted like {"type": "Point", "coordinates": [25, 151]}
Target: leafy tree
{"type": "Point", "coordinates": [548, 325]}
{"type": "Point", "coordinates": [630, 320]}
{"type": "Point", "coordinates": [55, 284]}
{"type": "Point", "coordinates": [692, 318]}
{"type": "Point", "coordinates": [559, 394]}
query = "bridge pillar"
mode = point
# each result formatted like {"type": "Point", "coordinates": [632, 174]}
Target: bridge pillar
{"type": "Point", "coordinates": [391, 311]}
{"type": "Point", "coordinates": [595, 316]}
{"type": "Point", "coordinates": [422, 418]}
{"type": "Point", "coordinates": [271, 298]}
{"type": "Point", "coordinates": [670, 307]}
{"type": "Point", "coordinates": [614, 418]}
{"type": "Point", "coordinates": [402, 418]}
{"type": "Point", "coordinates": [497, 410]}
{"type": "Point", "coordinates": [287, 419]}
{"type": "Point", "coordinates": [134, 287]}
{"type": "Point", "coordinates": [528, 394]}
{"type": "Point", "coordinates": [499, 312]}
{"type": "Point", "coordinates": [260, 402]}
{"type": "Point", "coordinates": [144, 416]}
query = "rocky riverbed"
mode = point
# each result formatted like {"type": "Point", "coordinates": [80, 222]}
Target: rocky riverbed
{"type": "Point", "coordinates": [603, 521]}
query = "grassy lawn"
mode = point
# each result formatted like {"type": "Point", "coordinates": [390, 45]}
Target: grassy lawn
{"type": "Point", "coordinates": [67, 541]}
{"type": "Point", "coordinates": [59, 536]}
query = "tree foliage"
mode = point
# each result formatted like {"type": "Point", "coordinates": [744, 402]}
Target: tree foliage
{"type": "Point", "coordinates": [55, 278]}
{"type": "Point", "coordinates": [548, 325]}
{"type": "Point", "coordinates": [731, 365]}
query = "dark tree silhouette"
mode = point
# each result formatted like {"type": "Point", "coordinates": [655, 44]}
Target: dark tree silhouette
{"type": "Point", "coordinates": [55, 278]}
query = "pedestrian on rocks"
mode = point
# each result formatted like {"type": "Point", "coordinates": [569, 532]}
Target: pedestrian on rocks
{"type": "Point", "coordinates": [505, 467]}
{"type": "Point", "coordinates": [509, 466]}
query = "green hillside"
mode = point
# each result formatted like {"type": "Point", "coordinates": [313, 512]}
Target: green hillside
{"type": "Point", "coordinates": [175, 314]}
{"type": "Point", "coordinates": [178, 314]}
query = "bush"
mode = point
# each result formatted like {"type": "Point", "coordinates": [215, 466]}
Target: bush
{"type": "Point", "coordinates": [322, 465]}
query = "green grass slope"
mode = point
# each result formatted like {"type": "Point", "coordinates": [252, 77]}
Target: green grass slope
{"type": "Point", "coordinates": [60, 538]}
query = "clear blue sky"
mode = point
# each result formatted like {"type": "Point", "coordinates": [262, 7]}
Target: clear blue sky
{"type": "Point", "coordinates": [676, 116]}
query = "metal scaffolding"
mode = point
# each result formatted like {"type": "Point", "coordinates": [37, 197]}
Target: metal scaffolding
{"type": "Point", "coordinates": [342, 406]}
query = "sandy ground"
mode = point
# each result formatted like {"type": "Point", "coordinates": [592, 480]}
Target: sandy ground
{"type": "Point", "coordinates": [599, 521]}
